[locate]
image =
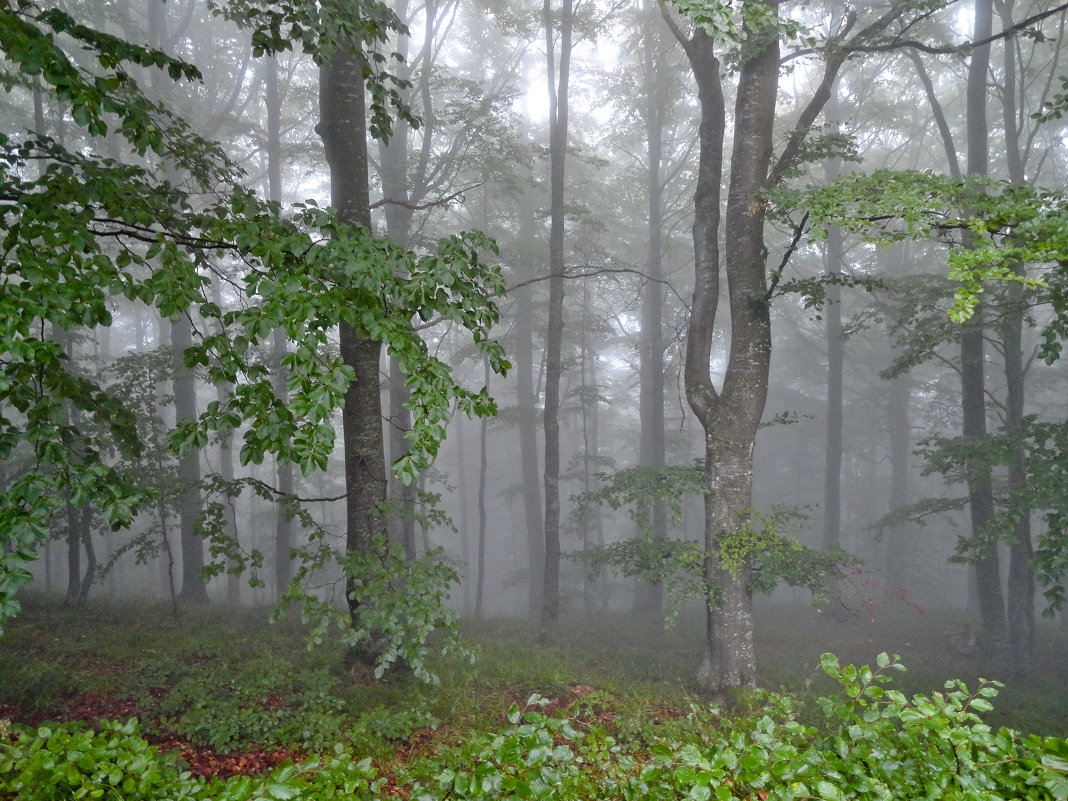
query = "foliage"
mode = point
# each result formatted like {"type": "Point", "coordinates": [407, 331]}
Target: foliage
{"type": "Point", "coordinates": [1010, 224]}
{"type": "Point", "coordinates": [873, 743]}
{"type": "Point", "coordinates": [52, 763]}
{"type": "Point", "coordinates": [721, 21]}
{"type": "Point", "coordinates": [87, 228]}
{"type": "Point", "coordinates": [322, 29]}
{"type": "Point", "coordinates": [399, 604]}
{"type": "Point", "coordinates": [56, 763]}
{"type": "Point", "coordinates": [231, 705]}
{"type": "Point", "coordinates": [1045, 491]}
{"type": "Point", "coordinates": [680, 564]}
{"type": "Point", "coordinates": [531, 759]}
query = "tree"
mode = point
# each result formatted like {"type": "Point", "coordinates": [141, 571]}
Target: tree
{"type": "Point", "coordinates": [558, 78]}
{"type": "Point", "coordinates": [89, 228]}
{"type": "Point", "coordinates": [730, 414]}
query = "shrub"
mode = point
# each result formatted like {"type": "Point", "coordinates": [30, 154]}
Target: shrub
{"type": "Point", "coordinates": [59, 763]}
{"type": "Point", "coordinates": [56, 763]}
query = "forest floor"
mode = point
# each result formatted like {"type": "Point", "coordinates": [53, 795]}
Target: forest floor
{"type": "Point", "coordinates": [232, 694]}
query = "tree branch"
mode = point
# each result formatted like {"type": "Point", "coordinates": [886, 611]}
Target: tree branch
{"type": "Point", "coordinates": [602, 271]}
{"type": "Point", "coordinates": [776, 276]}
{"type": "Point", "coordinates": [424, 206]}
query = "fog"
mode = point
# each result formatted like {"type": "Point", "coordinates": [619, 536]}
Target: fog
{"type": "Point", "coordinates": [865, 362]}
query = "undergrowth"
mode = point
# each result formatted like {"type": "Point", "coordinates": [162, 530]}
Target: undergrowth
{"type": "Point", "coordinates": [873, 743]}
{"type": "Point", "coordinates": [603, 710]}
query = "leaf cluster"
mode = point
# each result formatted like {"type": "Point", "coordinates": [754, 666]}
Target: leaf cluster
{"type": "Point", "coordinates": [361, 28]}
{"type": "Point", "coordinates": [88, 229]}
{"type": "Point", "coordinates": [1007, 225]}
{"type": "Point", "coordinates": [1044, 449]}
{"type": "Point", "coordinates": [395, 604]}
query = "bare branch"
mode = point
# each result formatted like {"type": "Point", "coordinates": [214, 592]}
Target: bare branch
{"type": "Point", "coordinates": [424, 206]}
{"type": "Point", "coordinates": [573, 274]}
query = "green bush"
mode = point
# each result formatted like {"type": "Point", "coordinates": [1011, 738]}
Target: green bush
{"type": "Point", "coordinates": [871, 743]}
{"type": "Point", "coordinates": [59, 763]}
{"type": "Point", "coordinates": [230, 706]}
{"type": "Point", "coordinates": [874, 744]}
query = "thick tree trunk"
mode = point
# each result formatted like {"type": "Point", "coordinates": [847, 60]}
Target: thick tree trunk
{"type": "Point", "coordinates": [342, 127]}
{"type": "Point", "coordinates": [731, 416]}
{"type": "Point", "coordinates": [558, 111]}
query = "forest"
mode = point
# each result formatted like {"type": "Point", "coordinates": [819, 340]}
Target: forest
{"type": "Point", "coordinates": [510, 400]}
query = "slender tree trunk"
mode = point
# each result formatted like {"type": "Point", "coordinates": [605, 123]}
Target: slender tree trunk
{"type": "Point", "coordinates": [74, 555]}
{"type": "Point", "coordinates": [85, 515]}
{"type": "Point", "coordinates": [194, 589]}
{"type": "Point", "coordinates": [649, 598]}
{"type": "Point", "coordinates": [1021, 582]}
{"type": "Point", "coordinates": [483, 519]}
{"type": "Point", "coordinates": [832, 316]}
{"type": "Point", "coordinates": [558, 111]}
{"type": "Point", "coordinates": [592, 535]}
{"type": "Point", "coordinates": [463, 495]}
{"type": "Point", "coordinates": [899, 540]}
{"type": "Point", "coordinates": [284, 529]}
{"type": "Point", "coordinates": [342, 127]}
{"type": "Point", "coordinates": [972, 361]}
{"type": "Point", "coordinates": [528, 441]}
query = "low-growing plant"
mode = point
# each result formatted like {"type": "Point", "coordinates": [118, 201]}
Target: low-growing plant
{"type": "Point", "coordinates": [54, 763]}
{"type": "Point", "coordinates": [230, 706]}
{"type": "Point", "coordinates": [34, 687]}
{"type": "Point", "coordinates": [59, 763]}
{"type": "Point", "coordinates": [531, 759]}
{"type": "Point", "coordinates": [874, 743]}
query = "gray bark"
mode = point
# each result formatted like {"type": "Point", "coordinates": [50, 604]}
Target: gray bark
{"type": "Point", "coordinates": [972, 360]}
{"type": "Point", "coordinates": [649, 598]}
{"type": "Point", "coordinates": [342, 127]}
{"type": "Point", "coordinates": [558, 113]}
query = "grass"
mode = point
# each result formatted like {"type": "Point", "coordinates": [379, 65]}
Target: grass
{"type": "Point", "coordinates": [229, 680]}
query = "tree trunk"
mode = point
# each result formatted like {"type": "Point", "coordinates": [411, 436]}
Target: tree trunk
{"type": "Point", "coordinates": [194, 589]}
{"type": "Point", "coordinates": [899, 540]}
{"type": "Point", "coordinates": [483, 519]}
{"type": "Point", "coordinates": [1021, 582]}
{"type": "Point", "coordinates": [730, 417]}
{"type": "Point", "coordinates": [342, 127]}
{"type": "Point", "coordinates": [832, 316]}
{"type": "Point", "coordinates": [74, 555]}
{"type": "Point", "coordinates": [528, 447]}
{"type": "Point", "coordinates": [283, 524]}
{"type": "Point", "coordinates": [85, 515]}
{"type": "Point", "coordinates": [973, 385]}
{"type": "Point", "coordinates": [558, 111]}
{"type": "Point", "coordinates": [649, 598]}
